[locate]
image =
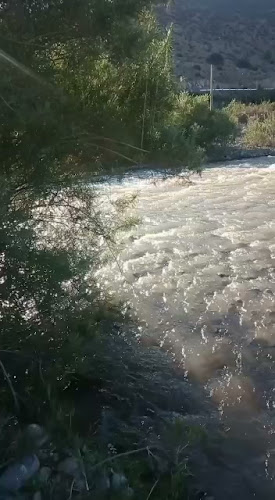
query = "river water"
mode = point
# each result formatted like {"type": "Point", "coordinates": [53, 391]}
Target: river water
{"type": "Point", "coordinates": [198, 274]}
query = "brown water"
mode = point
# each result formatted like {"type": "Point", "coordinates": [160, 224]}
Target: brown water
{"type": "Point", "coordinates": [199, 276]}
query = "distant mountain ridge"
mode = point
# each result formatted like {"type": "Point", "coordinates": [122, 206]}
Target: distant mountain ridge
{"type": "Point", "coordinates": [237, 36]}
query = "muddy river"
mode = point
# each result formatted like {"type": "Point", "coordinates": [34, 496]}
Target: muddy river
{"type": "Point", "coordinates": [198, 274]}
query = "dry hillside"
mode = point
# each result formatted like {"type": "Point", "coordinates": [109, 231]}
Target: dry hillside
{"type": "Point", "coordinates": [238, 36]}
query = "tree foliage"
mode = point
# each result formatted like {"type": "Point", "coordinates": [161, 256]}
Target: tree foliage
{"type": "Point", "coordinates": [73, 82]}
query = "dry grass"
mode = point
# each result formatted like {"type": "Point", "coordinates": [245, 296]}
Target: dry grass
{"type": "Point", "coordinates": [261, 133]}
{"type": "Point", "coordinates": [243, 113]}
{"type": "Point", "coordinates": [256, 123]}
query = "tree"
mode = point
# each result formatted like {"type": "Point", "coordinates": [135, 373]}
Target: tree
{"type": "Point", "coordinates": [71, 75]}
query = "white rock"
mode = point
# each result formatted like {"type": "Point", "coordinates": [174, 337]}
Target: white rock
{"type": "Point", "coordinates": [17, 474]}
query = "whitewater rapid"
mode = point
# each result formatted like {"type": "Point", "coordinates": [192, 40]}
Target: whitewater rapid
{"type": "Point", "coordinates": [198, 276]}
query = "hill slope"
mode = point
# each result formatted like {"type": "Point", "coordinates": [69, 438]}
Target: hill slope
{"type": "Point", "coordinates": [237, 36]}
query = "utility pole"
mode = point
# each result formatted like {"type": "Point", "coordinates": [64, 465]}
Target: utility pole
{"type": "Point", "coordinates": [211, 87]}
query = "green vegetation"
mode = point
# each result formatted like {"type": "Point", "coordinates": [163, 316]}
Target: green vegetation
{"type": "Point", "coordinates": [84, 87]}
{"type": "Point", "coordinates": [206, 128]}
{"type": "Point", "coordinates": [192, 131]}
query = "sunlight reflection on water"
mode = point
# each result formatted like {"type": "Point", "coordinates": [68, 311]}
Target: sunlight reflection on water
{"type": "Point", "coordinates": [199, 276]}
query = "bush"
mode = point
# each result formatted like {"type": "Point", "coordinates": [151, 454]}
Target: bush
{"type": "Point", "coordinates": [242, 113]}
{"type": "Point", "coordinates": [190, 131]}
{"type": "Point", "coordinates": [268, 56]}
{"type": "Point", "coordinates": [216, 59]}
{"type": "Point", "coordinates": [196, 122]}
{"type": "Point", "coordinates": [260, 133]}
{"type": "Point", "coordinates": [172, 146]}
{"type": "Point", "coordinates": [244, 64]}
{"type": "Point", "coordinates": [257, 121]}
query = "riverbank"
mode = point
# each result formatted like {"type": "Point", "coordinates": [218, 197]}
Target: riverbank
{"type": "Point", "coordinates": [235, 152]}
{"type": "Point", "coordinates": [115, 437]}
{"type": "Point", "coordinates": [218, 155]}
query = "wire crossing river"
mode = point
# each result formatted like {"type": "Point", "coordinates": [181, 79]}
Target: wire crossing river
{"type": "Point", "coordinates": [199, 275]}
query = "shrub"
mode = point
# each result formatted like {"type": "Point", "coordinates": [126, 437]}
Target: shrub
{"type": "Point", "coordinates": [190, 131]}
{"type": "Point", "coordinates": [244, 64]}
{"type": "Point", "coordinates": [268, 56]}
{"type": "Point", "coordinates": [195, 120]}
{"type": "Point", "coordinates": [216, 59]}
{"type": "Point", "coordinates": [172, 146]}
{"type": "Point", "coordinates": [242, 113]}
{"type": "Point", "coordinates": [261, 133]}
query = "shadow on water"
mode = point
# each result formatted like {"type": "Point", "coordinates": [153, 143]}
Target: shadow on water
{"type": "Point", "coordinates": [227, 366]}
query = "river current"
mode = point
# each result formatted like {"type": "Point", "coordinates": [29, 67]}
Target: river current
{"type": "Point", "coordinates": [198, 274]}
